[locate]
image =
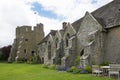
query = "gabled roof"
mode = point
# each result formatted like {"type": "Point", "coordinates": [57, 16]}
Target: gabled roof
{"type": "Point", "coordinates": [108, 15]}
{"type": "Point", "coordinates": [45, 39]}
{"type": "Point", "coordinates": [70, 29]}
{"type": "Point", "coordinates": [62, 32]}
{"type": "Point", "coordinates": [77, 24]}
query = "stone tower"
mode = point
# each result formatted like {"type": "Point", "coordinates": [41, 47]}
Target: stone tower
{"type": "Point", "coordinates": [25, 44]}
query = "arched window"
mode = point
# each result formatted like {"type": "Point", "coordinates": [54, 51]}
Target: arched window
{"type": "Point", "coordinates": [32, 53]}
{"type": "Point", "coordinates": [82, 52]}
{"type": "Point", "coordinates": [24, 50]}
{"type": "Point", "coordinates": [49, 50]}
{"type": "Point", "coordinates": [56, 43]}
{"type": "Point", "coordinates": [67, 39]}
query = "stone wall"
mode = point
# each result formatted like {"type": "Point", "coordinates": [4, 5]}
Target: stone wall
{"type": "Point", "coordinates": [69, 40]}
{"type": "Point", "coordinates": [89, 40]}
{"type": "Point", "coordinates": [112, 45]}
{"type": "Point", "coordinates": [26, 42]}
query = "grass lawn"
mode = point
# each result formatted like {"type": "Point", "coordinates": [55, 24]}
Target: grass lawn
{"type": "Point", "coordinates": [17, 71]}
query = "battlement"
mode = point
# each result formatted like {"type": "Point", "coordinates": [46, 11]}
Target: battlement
{"type": "Point", "coordinates": [38, 27]}
{"type": "Point", "coordinates": [25, 29]}
{"type": "Point", "coordinates": [22, 29]}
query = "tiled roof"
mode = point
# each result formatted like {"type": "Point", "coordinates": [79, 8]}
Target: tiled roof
{"type": "Point", "coordinates": [52, 32]}
{"type": "Point", "coordinates": [108, 15]}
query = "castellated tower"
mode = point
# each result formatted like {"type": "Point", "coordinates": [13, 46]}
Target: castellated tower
{"type": "Point", "coordinates": [25, 44]}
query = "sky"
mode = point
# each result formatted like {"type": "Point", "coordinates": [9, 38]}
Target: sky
{"type": "Point", "coordinates": [51, 13]}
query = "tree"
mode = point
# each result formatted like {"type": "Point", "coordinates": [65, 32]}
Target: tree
{"type": "Point", "coordinates": [1, 55]}
{"type": "Point", "coordinates": [4, 52]}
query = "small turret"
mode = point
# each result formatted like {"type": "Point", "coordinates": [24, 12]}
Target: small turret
{"type": "Point", "coordinates": [39, 32]}
{"type": "Point", "coordinates": [39, 27]}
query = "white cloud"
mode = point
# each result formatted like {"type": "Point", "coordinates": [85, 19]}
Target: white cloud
{"type": "Point", "coordinates": [15, 13]}
{"type": "Point", "coordinates": [50, 24]}
{"type": "Point", "coordinates": [12, 14]}
{"type": "Point", "coordinates": [71, 9]}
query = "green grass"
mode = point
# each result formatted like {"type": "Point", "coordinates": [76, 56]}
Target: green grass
{"type": "Point", "coordinates": [17, 71]}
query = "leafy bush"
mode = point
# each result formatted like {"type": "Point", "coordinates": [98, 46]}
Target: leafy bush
{"type": "Point", "coordinates": [52, 67]}
{"type": "Point", "coordinates": [72, 69]}
{"type": "Point", "coordinates": [61, 68]}
{"type": "Point", "coordinates": [46, 66]}
{"type": "Point", "coordinates": [105, 64]}
{"type": "Point", "coordinates": [58, 60]}
{"type": "Point", "coordinates": [20, 60]}
{"type": "Point", "coordinates": [4, 52]}
{"type": "Point", "coordinates": [35, 59]}
{"type": "Point", "coordinates": [1, 55]}
{"type": "Point", "coordinates": [77, 61]}
{"type": "Point", "coordinates": [83, 71]}
{"type": "Point", "coordinates": [88, 69]}
{"type": "Point", "coordinates": [77, 71]}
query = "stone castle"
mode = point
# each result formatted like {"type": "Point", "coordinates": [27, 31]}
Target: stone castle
{"type": "Point", "coordinates": [95, 38]}
{"type": "Point", "coordinates": [25, 43]}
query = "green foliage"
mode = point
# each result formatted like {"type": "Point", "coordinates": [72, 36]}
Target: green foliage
{"type": "Point", "coordinates": [88, 68]}
{"type": "Point", "coordinates": [35, 59]}
{"type": "Point", "coordinates": [19, 60]}
{"type": "Point", "coordinates": [93, 62]}
{"type": "Point", "coordinates": [105, 64]}
{"type": "Point", "coordinates": [1, 54]}
{"type": "Point", "coordinates": [77, 71]}
{"type": "Point", "coordinates": [60, 68]}
{"type": "Point", "coordinates": [58, 61]}
{"type": "Point", "coordinates": [72, 69]}
{"type": "Point", "coordinates": [4, 53]}
{"type": "Point", "coordinates": [77, 61]}
{"type": "Point", "coordinates": [46, 66]}
{"type": "Point", "coordinates": [53, 67]}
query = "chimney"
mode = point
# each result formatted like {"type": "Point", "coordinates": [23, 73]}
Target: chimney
{"type": "Point", "coordinates": [64, 25]}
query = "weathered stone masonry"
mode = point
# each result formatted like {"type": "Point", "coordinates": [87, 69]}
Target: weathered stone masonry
{"type": "Point", "coordinates": [25, 44]}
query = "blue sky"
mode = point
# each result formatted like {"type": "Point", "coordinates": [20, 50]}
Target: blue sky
{"type": "Point", "coordinates": [38, 8]}
{"type": "Point", "coordinates": [50, 12]}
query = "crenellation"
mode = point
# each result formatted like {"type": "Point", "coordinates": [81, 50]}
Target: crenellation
{"type": "Point", "coordinates": [38, 27]}
{"type": "Point", "coordinates": [26, 42]}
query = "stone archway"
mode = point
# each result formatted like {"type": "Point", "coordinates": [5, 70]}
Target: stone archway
{"type": "Point", "coordinates": [82, 52]}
